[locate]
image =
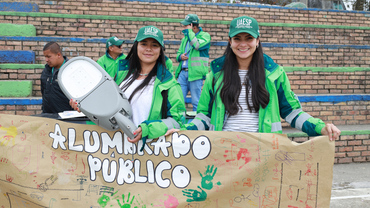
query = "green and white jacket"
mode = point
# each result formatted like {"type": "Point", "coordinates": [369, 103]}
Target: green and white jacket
{"type": "Point", "coordinates": [198, 54]}
{"type": "Point", "coordinates": [155, 125]}
{"type": "Point", "coordinates": [110, 65]}
{"type": "Point", "coordinates": [283, 103]}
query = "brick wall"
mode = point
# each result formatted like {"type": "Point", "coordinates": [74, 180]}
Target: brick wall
{"type": "Point", "coordinates": [323, 45]}
{"type": "Point", "coordinates": [315, 28]}
{"type": "Point", "coordinates": [25, 110]}
{"type": "Point", "coordinates": [343, 113]}
{"type": "Point", "coordinates": [293, 38]}
{"type": "Point", "coordinates": [311, 54]}
{"type": "Point", "coordinates": [349, 148]}
{"type": "Point", "coordinates": [24, 74]}
{"type": "Point", "coordinates": [308, 82]}
{"type": "Point", "coordinates": [206, 11]}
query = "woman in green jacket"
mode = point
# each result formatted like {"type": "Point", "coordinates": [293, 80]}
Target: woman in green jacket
{"type": "Point", "coordinates": [247, 91]}
{"type": "Point", "coordinates": [153, 92]}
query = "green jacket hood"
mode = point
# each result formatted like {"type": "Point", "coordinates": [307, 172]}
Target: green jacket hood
{"type": "Point", "coordinates": [270, 65]}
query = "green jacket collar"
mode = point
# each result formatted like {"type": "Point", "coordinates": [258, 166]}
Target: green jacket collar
{"type": "Point", "coordinates": [217, 64]}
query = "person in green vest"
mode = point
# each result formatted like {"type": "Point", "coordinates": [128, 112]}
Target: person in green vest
{"type": "Point", "coordinates": [113, 53]}
{"type": "Point", "coordinates": [247, 91]}
{"type": "Point", "coordinates": [193, 56]}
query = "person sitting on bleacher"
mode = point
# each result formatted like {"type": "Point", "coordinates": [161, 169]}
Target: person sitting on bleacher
{"type": "Point", "coordinates": [53, 98]}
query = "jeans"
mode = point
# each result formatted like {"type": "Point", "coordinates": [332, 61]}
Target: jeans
{"type": "Point", "coordinates": [195, 88]}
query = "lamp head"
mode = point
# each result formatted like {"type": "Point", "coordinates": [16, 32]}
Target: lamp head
{"type": "Point", "coordinates": [97, 94]}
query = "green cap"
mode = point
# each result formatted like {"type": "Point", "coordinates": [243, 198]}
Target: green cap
{"type": "Point", "coordinates": [244, 24]}
{"type": "Point", "coordinates": [190, 18]}
{"type": "Point", "coordinates": [114, 41]}
{"type": "Point", "coordinates": [150, 32]}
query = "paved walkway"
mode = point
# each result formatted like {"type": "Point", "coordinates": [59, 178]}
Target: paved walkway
{"type": "Point", "coordinates": [351, 186]}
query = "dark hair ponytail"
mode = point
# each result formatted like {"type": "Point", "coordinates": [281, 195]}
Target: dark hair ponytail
{"type": "Point", "coordinates": [256, 79]}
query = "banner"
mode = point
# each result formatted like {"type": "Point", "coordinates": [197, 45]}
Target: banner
{"type": "Point", "coordinates": [52, 163]}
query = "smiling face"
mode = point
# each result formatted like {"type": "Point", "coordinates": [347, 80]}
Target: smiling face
{"type": "Point", "coordinates": [243, 45]}
{"type": "Point", "coordinates": [148, 51]}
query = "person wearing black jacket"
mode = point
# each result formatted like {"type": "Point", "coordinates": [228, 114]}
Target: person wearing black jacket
{"type": "Point", "coordinates": [53, 98]}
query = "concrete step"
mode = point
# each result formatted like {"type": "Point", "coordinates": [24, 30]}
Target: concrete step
{"type": "Point", "coordinates": [26, 30]}
{"type": "Point", "coordinates": [15, 88]}
{"type": "Point", "coordinates": [345, 129]}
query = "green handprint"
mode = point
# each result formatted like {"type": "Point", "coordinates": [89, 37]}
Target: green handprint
{"type": "Point", "coordinates": [125, 205]}
{"type": "Point", "coordinates": [195, 195]}
{"type": "Point", "coordinates": [103, 200]}
{"type": "Point", "coordinates": [208, 177]}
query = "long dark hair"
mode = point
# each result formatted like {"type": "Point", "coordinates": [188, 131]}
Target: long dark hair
{"type": "Point", "coordinates": [231, 88]}
{"type": "Point", "coordinates": [135, 69]}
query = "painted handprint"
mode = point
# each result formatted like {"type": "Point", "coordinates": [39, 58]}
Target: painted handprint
{"type": "Point", "coordinates": [103, 200]}
{"type": "Point", "coordinates": [208, 177]}
{"type": "Point", "coordinates": [170, 202]}
{"type": "Point", "coordinates": [127, 204]}
{"type": "Point", "coordinates": [195, 195]}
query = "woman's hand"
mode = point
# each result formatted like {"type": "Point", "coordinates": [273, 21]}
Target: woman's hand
{"type": "Point", "coordinates": [138, 135]}
{"type": "Point", "coordinates": [332, 131]}
{"type": "Point", "coordinates": [170, 131]}
{"type": "Point", "coordinates": [74, 105]}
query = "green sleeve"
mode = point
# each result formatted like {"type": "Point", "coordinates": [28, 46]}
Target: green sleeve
{"type": "Point", "coordinates": [206, 96]}
{"type": "Point", "coordinates": [291, 109]}
{"type": "Point", "coordinates": [181, 50]}
{"type": "Point", "coordinates": [175, 113]}
{"type": "Point", "coordinates": [204, 109]}
{"type": "Point", "coordinates": [100, 61]}
{"type": "Point", "coordinates": [199, 42]}
{"type": "Point", "coordinates": [169, 65]}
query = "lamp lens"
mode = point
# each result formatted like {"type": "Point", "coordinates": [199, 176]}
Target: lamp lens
{"type": "Point", "coordinates": [80, 77]}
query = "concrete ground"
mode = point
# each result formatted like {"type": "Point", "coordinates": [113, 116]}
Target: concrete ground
{"type": "Point", "coordinates": [351, 186]}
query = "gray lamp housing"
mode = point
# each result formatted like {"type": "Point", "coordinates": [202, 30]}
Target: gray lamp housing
{"type": "Point", "coordinates": [97, 94]}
